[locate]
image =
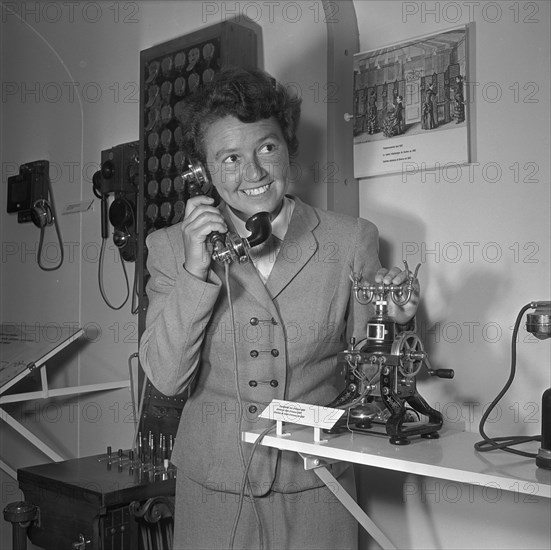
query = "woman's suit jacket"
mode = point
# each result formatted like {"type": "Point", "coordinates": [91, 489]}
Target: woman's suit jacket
{"type": "Point", "coordinates": [288, 333]}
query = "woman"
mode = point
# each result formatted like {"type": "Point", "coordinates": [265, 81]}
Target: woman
{"type": "Point", "coordinates": [289, 319]}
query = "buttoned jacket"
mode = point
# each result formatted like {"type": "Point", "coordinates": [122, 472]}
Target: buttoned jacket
{"type": "Point", "coordinates": [281, 343]}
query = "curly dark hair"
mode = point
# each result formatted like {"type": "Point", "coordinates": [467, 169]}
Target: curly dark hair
{"type": "Point", "coordinates": [249, 95]}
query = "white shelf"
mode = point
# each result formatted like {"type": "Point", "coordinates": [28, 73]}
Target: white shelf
{"type": "Point", "coordinates": [451, 457]}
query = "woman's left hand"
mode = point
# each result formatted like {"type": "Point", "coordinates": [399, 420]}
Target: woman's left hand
{"type": "Point", "coordinates": [396, 276]}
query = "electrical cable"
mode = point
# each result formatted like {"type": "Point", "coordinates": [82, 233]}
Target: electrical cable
{"type": "Point", "coordinates": [245, 476]}
{"type": "Point", "coordinates": [53, 219]}
{"type": "Point", "coordinates": [239, 442]}
{"type": "Point", "coordinates": [40, 243]}
{"type": "Point", "coordinates": [100, 278]}
{"type": "Point", "coordinates": [132, 394]}
{"type": "Point", "coordinates": [135, 303]}
{"type": "Point", "coordinates": [140, 410]}
{"type": "Point", "coordinates": [505, 443]}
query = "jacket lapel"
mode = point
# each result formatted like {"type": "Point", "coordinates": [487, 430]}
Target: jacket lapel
{"type": "Point", "coordinates": [244, 275]}
{"type": "Point", "coordinates": [297, 249]}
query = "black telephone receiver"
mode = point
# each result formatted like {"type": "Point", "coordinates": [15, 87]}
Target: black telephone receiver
{"type": "Point", "coordinates": [229, 247]}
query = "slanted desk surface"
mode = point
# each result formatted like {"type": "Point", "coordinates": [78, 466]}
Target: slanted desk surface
{"type": "Point", "coordinates": [25, 347]}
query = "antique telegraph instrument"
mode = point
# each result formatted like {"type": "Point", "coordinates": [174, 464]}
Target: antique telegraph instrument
{"type": "Point", "coordinates": [229, 247]}
{"type": "Point", "coordinates": [381, 390]}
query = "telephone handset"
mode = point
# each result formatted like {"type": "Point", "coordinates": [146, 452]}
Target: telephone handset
{"type": "Point", "coordinates": [228, 247]}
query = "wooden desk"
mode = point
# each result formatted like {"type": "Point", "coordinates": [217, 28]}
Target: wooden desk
{"type": "Point", "coordinates": [86, 499]}
{"type": "Point", "coordinates": [451, 457]}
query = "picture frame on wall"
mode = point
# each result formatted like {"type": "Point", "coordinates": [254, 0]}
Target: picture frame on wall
{"type": "Point", "coordinates": [411, 105]}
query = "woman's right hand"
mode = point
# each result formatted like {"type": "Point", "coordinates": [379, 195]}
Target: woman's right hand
{"type": "Point", "coordinates": [201, 218]}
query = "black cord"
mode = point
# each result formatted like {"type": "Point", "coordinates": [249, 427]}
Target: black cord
{"type": "Point", "coordinates": [53, 215]}
{"type": "Point", "coordinates": [100, 277]}
{"type": "Point", "coordinates": [505, 443]}
{"type": "Point", "coordinates": [135, 303]}
{"type": "Point", "coordinates": [41, 242]}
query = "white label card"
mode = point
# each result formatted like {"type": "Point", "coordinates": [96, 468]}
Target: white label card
{"type": "Point", "coordinates": [302, 413]}
{"type": "Point", "coordinates": [81, 206]}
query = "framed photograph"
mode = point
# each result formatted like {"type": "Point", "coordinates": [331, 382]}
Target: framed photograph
{"type": "Point", "coordinates": [410, 105]}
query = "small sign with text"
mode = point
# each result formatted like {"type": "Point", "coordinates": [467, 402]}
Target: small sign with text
{"type": "Point", "coordinates": [302, 413]}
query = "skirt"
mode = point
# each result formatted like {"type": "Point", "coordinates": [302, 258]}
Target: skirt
{"type": "Point", "coordinates": [314, 519]}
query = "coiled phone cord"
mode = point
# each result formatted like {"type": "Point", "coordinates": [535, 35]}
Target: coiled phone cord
{"type": "Point", "coordinates": [245, 481]}
{"type": "Point", "coordinates": [504, 443]}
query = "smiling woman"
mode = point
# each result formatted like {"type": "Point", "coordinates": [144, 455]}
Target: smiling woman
{"type": "Point", "coordinates": [242, 127]}
{"type": "Point", "coordinates": [226, 332]}
{"type": "Point", "coordinates": [249, 164]}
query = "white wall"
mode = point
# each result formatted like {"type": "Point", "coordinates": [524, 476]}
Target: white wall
{"type": "Point", "coordinates": [71, 75]}
{"type": "Point", "coordinates": [481, 234]}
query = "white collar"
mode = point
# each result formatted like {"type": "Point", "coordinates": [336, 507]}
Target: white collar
{"type": "Point", "coordinates": [279, 225]}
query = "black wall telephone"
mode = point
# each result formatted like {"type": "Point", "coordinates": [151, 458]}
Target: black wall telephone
{"type": "Point", "coordinates": [30, 195]}
{"type": "Point", "coordinates": [119, 176]}
{"type": "Point", "coordinates": [229, 247]}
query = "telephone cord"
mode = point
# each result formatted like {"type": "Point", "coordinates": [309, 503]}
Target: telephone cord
{"type": "Point", "coordinates": [53, 214]}
{"type": "Point", "coordinates": [135, 355]}
{"type": "Point", "coordinates": [505, 443]}
{"type": "Point", "coordinates": [245, 476]}
{"type": "Point", "coordinates": [100, 278]}
{"type": "Point", "coordinates": [135, 303]}
{"type": "Point", "coordinates": [41, 242]}
{"type": "Point", "coordinates": [246, 480]}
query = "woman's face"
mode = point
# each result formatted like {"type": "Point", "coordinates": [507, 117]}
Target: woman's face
{"type": "Point", "coordinates": [248, 164]}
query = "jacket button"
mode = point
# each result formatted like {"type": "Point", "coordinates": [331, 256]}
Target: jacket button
{"type": "Point", "coordinates": [274, 383]}
{"type": "Point", "coordinates": [253, 409]}
{"type": "Point", "coordinates": [254, 353]}
{"type": "Point", "coordinates": [275, 352]}
{"type": "Point", "coordinates": [253, 383]}
{"type": "Point", "coordinates": [254, 321]}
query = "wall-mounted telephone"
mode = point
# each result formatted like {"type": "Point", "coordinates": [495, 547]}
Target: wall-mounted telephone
{"type": "Point", "coordinates": [229, 247]}
{"type": "Point", "coordinates": [30, 195]}
{"type": "Point", "coordinates": [118, 176]}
